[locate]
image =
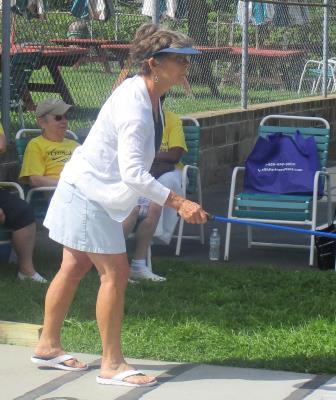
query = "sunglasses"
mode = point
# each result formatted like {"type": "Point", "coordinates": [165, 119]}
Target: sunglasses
{"type": "Point", "coordinates": [177, 58]}
{"type": "Point", "coordinates": [180, 59]}
{"type": "Point", "coordinates": [60, 117]}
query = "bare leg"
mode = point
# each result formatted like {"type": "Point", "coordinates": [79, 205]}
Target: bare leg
{"type": "Point", "coordinates": [75, 265]}
{"type": "Point", "coordinates": [129, 223]}
{"type": "Point", "coordinates": [145, 231]}
{"type": "Point", "coordinates": [23, 241]}
{"type": "Point", "coordinates": [113, 270]}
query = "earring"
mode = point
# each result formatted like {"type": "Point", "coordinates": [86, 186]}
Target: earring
{"type": "Point", "coordinates": [156, 79]}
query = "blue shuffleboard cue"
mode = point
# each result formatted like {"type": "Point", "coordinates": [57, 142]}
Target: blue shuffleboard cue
{"type": "Point", "coordinates": [272, 226]}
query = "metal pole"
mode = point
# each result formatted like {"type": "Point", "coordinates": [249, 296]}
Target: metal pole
{"type": "Point", "coordinates": [155, 12]}
{"type": "Point", "coordinates": [244, 72]}
{"type": "Point", "coordinates": [325, 49]}
{"type": "Point", "coordinates": [5, 65]}
{"type": "Point", "coordinates": [216, 42]}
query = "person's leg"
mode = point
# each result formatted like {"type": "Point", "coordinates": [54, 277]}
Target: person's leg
{"type": "Point", "coordinates": [75, 265]}
{"type": "Point", "coordinates": [169, 218]}
{"type": "Point", "coordinates": [145, 231]}
{"type": "Point", "coordinates": [113, 271]}
{"type": "Point", "coordinates": [19, 217]}
{"type": "Point", "coordinates": [23, 241]}
{"type": "Point", "coordinates": [129, 223]}
{"type": "Point", "coordinates": [143, 238]}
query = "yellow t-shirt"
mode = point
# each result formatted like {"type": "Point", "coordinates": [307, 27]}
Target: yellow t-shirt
{"type": "Point", "coordinates": [1, 129]}
{"type": "Point", "coordinates": [173, 135]}
{"type": "Point", "coordinates": [43, 157]}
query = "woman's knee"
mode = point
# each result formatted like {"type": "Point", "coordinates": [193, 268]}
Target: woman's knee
{"type": "Point", "coordinates": [75, 264]}
{"type": "Point", "coordinates": [111, 267]}
{"type": "Point", "coordinates": [117, 270]}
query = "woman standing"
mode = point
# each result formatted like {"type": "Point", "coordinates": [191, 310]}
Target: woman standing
{"type": "Point", "coordinates": [99, 187]}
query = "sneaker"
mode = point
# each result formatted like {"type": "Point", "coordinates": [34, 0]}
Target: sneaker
{"type": "Point", "coordinates": [36, 277]}
{"type": "Point", "coordinates": [145, 274]}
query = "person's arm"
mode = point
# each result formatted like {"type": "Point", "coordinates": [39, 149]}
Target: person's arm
{"type": "Point", "coordinates": [191, 212]}
{"type": "Point", "coordinates": [173, 143]}
{"type": "Point", "coordinates": [166, 161]}
{"type": "Point", "coordinates": [37, 181]}
{"type": "Point", "coordinates": [133, 137]}
{"type": "Point", "coordinates": [123, 75]}
{"type": "Point", "coordinates": [173, 155]}
{"type": "Point", "coordinates": [131, 150]}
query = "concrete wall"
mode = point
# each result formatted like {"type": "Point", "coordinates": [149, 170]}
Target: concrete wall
{"type": "Point", "coordinates": [227, 136]}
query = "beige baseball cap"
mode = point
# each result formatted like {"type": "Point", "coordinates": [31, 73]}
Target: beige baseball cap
{"type": "Point", "coordinates": [52, 106]}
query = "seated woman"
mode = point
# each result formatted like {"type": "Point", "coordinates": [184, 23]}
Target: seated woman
{"type": "Point", "coordinates": [17, 215]}
{"type": "Point", "coordinates": [148, 219]}
{"type": "Point", "coordinates": [45, 155]}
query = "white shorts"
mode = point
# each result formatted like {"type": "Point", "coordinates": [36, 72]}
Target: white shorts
{"type": "Point", "coordinates": [81, 224]}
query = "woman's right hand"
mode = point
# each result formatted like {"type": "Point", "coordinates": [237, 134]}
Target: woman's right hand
{"type": "Point", "coordinates": [190, 211]}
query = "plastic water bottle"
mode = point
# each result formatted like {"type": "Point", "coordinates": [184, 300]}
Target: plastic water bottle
{"type": "Point", "coordinates": [215, 241]}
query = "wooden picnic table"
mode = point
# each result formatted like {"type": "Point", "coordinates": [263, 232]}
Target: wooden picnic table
{"type": "Point", "coordinates": [111, 50]}
{"type": "Point", "coordinates": [269, 64]}
{"type": "Point", "coordinates": [53, 57]}
{"type": "Point", "coordinates": [96, 44]}
{"type": "Point", "coordinates": [119, 51]}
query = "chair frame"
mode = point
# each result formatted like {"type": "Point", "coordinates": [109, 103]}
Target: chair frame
{"type": "Point", "coordinates": [311, 222]}
{"type": "Point", "coordinates": [184, 185]}
{"type": "Point", "coordinates": [331, 75]}
{"type": "Point", "coordinates": [185, 171]}
{"type": "Point", "coordinates": [15, 186]}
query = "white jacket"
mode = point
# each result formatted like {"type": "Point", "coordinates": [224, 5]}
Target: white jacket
{"type": "Point", "coordinates": [111, 167]}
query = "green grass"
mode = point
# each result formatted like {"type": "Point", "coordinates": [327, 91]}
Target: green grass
{"type": "Point", "coordinates": [90, 86]}
{"type": "Point", "coordinates": [249, 317]}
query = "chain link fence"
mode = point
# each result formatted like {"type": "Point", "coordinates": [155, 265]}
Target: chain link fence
{"type": "Point", "coordinates": [81, 53]}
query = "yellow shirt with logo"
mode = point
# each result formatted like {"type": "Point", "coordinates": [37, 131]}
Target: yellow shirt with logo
{"type": "Point", "coordinates": [43, 157]}
{"type": "Point", "coordinates": [173, 135]}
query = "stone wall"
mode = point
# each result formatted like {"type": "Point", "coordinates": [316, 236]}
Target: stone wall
{"type": "Point", "coordinates": [227, 136]}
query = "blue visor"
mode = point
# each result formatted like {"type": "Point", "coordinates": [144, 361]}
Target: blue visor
{"type": "Point", "coordinates": [178, 50]}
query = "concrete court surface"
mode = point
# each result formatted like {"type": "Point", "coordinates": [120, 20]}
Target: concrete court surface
{"type": "Point", "coordinates": [22, 380]}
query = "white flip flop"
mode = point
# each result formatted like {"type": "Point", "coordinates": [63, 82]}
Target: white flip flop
{"type": "Point", "coordinates": [57, 362]}
{"type": "Point", "coordinates": [119, 379]}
